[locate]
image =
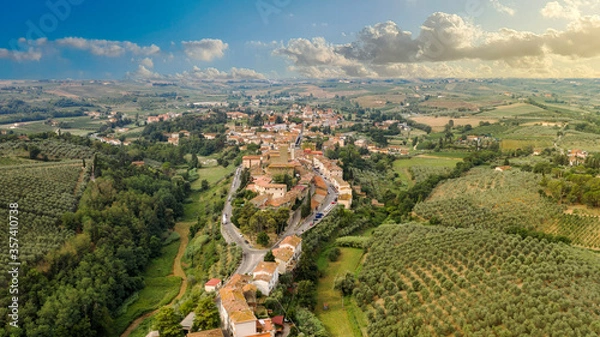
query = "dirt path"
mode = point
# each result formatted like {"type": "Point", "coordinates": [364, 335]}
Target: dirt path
{"type": "Point", "coordinates": [183, 229]}
{"type": "Point", "coordinates": [137, 322]}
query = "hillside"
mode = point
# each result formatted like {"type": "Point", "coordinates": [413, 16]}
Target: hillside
{"type": "Point", "coordinates": [488, 199]}
{"type": "Point", "coordinates": [436, 281]}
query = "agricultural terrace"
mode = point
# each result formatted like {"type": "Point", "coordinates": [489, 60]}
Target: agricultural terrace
{"type": "Point", "coordinates": [536, 136]}
{"type": "Point", "coordinates": [488, 199]}
{"type": "Point", "coordinates": [52, 148]}
{"type": "Point", "coordinates": [419, 168]}
{"type": "Point", "coordinates": [436, 281]}
{"type": "Point", "coordinates": [44, 193]}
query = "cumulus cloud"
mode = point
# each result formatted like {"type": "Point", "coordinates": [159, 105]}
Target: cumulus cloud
{"type": "Point", "coordinates": [214, 74]}
{"type": "Point", "coordinates": [107, 48]}
{"type": "Point", "coordinates": [144, 73]}
{"type": "Point", "coordinates": [205, 49]}
{"type": "Point", "coordinates": [579, 40]}
{"type": "Point", "coordinates": [386, 50]}
{"type": "Point", "coordinates": [568, 9]}
{"type": "Point", "coordinates": [17, 55]}
{"type": "Point", "coordinates": [147, 62]}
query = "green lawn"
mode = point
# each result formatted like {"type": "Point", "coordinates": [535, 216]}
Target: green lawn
{"type": "Point", "coordinates": [159, 291]}
{"type": "Point", "coordinates": [343, 320]}
{"type": "Point", "coordinates": [159, 288]}
{"type": "Point", "coordinates": [163, 265]}
{"type": "Point", "coordinates": [212, 174]}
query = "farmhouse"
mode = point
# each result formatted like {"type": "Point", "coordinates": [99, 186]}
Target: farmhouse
{"type": "Point", "coordinates": [212, 285]}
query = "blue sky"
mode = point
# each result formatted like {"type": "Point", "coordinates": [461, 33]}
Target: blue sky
{"type": "Point", "coordinates": [276, 38]}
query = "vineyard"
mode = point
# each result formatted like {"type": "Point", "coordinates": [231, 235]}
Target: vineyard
{"type": "Point", "coordinates": [437, 281]}
{"type": "Point", "coordinates": [488, 199]}
{"type": "Point", "coordinates": [421, 173]}
{"type": "Point", "coordinates": [53, 148]}
{"type": "Point", "coordinates": [44, 193]}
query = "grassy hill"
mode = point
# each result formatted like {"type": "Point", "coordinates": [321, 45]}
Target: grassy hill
{"type": "Point", "coordinates": [437, 281]}
{"type": "Point", "coordinates": [488, 199]}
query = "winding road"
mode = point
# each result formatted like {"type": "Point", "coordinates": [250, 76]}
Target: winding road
{"type": "Point", "coordinates": [252, 256]}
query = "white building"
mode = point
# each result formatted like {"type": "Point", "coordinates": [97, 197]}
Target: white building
{"type": "Point", "coordinates": [265, 277]}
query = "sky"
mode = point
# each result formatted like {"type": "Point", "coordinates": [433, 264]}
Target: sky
{"type": "Point", "coordinates": [275, 39]}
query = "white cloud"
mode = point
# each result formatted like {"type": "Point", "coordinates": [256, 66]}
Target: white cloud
{"type": "Point", "coordinates": [17, 55]}
{"type": "Point", "coordinates": [502, 8]}
{"type": "Point", "coordinates": [556, 10]}
{"type": "Point", "coordinates": [144, 73]}
{"type": "Point", "coordinates": [147, 62]}
{"type": "Point", "coordinates": [446, 45]}
{"type": "Point", "coordinates": [569, 9]}
{"type": "Point", "coordinates": [106, 48]}
{"type": "Point", "coordinates": [215, 74]}
{"type": "Point", "coordinates": [205, 49]}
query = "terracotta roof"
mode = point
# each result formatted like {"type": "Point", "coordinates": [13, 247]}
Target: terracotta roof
{"type": "Point", "coordinates": [278, 320]}
{"type": "Point", "coordinates": [263, 277]}
{"type": "Point", "coordinates": [320, 183]}
{"type": "Point", "coordinates": [242, 316]}
{"type": "Point", "coordinates": [234, 302]}
{"type": "Point", "coordinates": [238, 280]}
{"type": "Point", "coordinates": [266, 267]}
{"type": "Point", "coordinates": [321, 192]}
{"type": "Point", "coordinates": [207, 333]}
{"type": "Point", "coordinates": [292, 240]}
{"type": "Point", "coordinates": [213, 282]}
{"type": "Point", "coordinates": [283, 254]}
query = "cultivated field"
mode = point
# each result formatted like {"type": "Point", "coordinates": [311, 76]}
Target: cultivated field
{"type": "Point", "coordinates": [488, 199]}
{"type": "Point", "coordinates": [510, 111]}
{"type": "Point", "coordinates": [379, 101]}
{"type": "Point", "coordinates": [432, 281]}
{"type": "Point", "coordinates": [437, 123]}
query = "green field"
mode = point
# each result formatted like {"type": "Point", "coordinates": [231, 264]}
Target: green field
{"type": "Point", "coordinates": [212, 175]}
{"type": "Point", "coordinates": [403, 166]}
{"type": "Point", "coordinates": [344, 318]}
{"type": "Point", "coordinates": [580, 140]}
{"type": "Point", "coordinates": [79, 126]}
{"type": "Point", "coordinates": [513, 110]}
{"type": "Point", "coordinates": [159, 290]}
{"type": "Point", "coordinates": [432, 281]}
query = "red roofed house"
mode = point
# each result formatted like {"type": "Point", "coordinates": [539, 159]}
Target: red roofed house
{"type": "Point", "coordinates": [212, 285]}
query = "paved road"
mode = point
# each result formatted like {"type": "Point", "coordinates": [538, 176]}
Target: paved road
{"type": "Point", "coordinates": [252, 256]}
